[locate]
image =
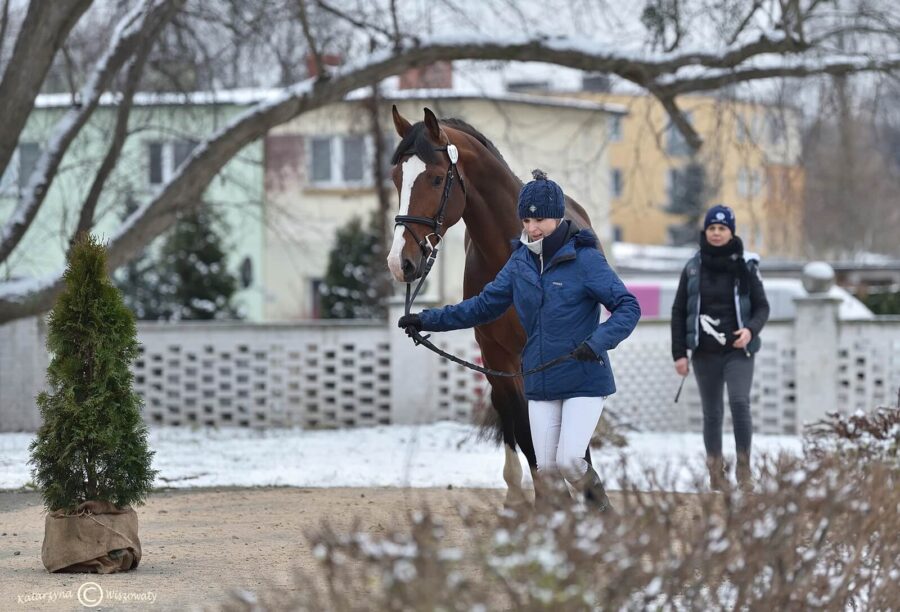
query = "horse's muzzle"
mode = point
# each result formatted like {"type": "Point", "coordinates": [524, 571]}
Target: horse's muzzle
{"type": "Point", "coordinates": [410, 270]}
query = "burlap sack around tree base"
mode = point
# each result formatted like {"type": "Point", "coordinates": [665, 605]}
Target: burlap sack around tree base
{"type": "Point", "coordinates": [98, 538]}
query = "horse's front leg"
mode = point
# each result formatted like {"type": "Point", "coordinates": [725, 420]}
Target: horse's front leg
{"type": "Point", "coordinates": [512, 474]}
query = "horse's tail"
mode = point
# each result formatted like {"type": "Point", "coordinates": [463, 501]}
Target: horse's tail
{"type": "Point", "coordinates": [488, 423]}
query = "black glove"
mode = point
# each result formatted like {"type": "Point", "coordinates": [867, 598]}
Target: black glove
{"type": "Point", "coordinates": [584, 352]}
{"type": "Point", "coordinates": [410, 320]}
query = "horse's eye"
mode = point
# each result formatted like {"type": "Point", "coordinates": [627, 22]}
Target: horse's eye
{"type": "Point", "coordinates": [437, 180]}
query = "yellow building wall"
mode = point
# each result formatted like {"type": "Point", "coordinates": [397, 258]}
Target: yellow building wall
{"type": "Point", "coordinates": [751, 156]}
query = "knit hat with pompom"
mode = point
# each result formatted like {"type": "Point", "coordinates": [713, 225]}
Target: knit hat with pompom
{"type": "Point", "coordinates": [541, 198]}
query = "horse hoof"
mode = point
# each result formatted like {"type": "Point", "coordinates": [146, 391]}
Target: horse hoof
{"type": "Point", "coordinates": [517, 506]}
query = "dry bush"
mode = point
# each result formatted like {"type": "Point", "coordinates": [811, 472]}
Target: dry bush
{"type": "Point", "coordinates": [608, 433]}
{"type": "Point", "coordinates": [820, 532]}
{"type": "Point", "coordinates": [862, 435]}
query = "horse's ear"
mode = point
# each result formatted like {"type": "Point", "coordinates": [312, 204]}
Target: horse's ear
{"type": "Point", "coordinates": [434, 128]}
{"type": "Point", "coordinates": [400, 123]}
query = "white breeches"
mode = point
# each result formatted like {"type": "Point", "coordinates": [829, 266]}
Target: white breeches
{"type": "Point", "coordinates": [561, 431]}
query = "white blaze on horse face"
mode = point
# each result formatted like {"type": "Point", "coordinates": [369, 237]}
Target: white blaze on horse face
{"type": "Point", "coordinates": [411, 170]}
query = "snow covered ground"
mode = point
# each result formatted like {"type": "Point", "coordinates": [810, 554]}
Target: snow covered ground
{"type": "Point", "coordinates": [434, 455]}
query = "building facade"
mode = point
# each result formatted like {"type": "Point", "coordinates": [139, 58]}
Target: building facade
{"type": "Point", "coordinates": [165, 128]}
{"type": "Point", "coordinates": [750, 160]}
{"type": "Point", "coordinates": [319, 177]}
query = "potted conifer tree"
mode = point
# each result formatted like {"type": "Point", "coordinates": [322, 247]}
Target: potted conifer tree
{"type": "Point", "coordinates": [90, 458]}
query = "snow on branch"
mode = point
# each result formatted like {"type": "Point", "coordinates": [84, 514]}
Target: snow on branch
{"type": "Point", "coordinates": [131, 30]}
{"type": "Point", "coordinates": [652, 71]}
{"type": "Point", "coordinates": [694, 80]}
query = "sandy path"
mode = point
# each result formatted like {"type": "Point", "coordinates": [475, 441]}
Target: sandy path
{"type": "Point", "coordinates": [198, 543]}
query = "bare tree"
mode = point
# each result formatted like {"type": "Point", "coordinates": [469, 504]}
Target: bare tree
{"type": "Point", "coordinates": [697, 48]}
{"type": "Point", "coordinates": [852, 186]}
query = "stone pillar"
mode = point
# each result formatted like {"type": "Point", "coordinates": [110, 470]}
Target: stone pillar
{"type": "Point", "coordinates": [23, 370]}
{"type": "Point", "coordinates": [816, 339]}
{"type": "Point", "coordinates": [412, 371]}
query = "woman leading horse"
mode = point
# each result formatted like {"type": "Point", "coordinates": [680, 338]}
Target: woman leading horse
{"type": "Point", "coordinates": [446, 171]}
{"type": "Point", "coordinates": [556, 278]}
{"type": "Point", "coordinates": [484, 193]}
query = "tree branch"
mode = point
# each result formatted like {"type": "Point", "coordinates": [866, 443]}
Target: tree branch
{"type": "Point", "coordinates": [310, 40]}
{"type": "Point", "coordinates": [134, 71]}
{"type": "Point", "coordinates": [757, 4]}
{"type": "Point", "coordinates": [208, 158]}
{"type": "Point", "coordinates": [352, 21]}
{"type": "Point", "coordinates": [680, 120]}
{"type": "Point", "coordinates": [132, 30]}
{"type": "Point", "coordinates": [4, 24]}
{"type": "Point", "coordinates": [676, 21]}
{"type": "Point", "coordinates": [45, 28]}
{"type": "Point", "coordinates": [719, 79]}
{"type": "Point", "coordinates": [397, 37]}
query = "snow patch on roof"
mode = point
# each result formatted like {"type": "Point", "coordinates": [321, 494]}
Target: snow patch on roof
{"type": "Point", "coordinates": [533, 99]}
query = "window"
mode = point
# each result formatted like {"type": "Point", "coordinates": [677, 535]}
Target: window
{"type": "Point", "coordinates": [615, 182]}
{"type": "Point", "coordinates": [19, 169]}
{"type": "Point", "coordinates": [321, 160]}
{"type": "Point", "coordinates": [686, 188]}
{"type": "Point", "coordinates": [777, 127]}
{"type": "Point", "coordinates": [749, 183]}
{"type": "Point", "coordinates": [615, 128]}
{"type": "Point", "coordinates": [345, 161]}
{"type": "Point", "coordinates": [748, 130]}
{"type": "Point", "coordinates": [166, 157]}
{"type": "Point", "coordinates": [675, 142]}
{"type": "Point", "coordinates": [354, 159]}
{"type": "Point", "coordinates": [741, 133]}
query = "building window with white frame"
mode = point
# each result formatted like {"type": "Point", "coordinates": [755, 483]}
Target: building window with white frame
{"type": "Point", "coordinates": [338, 161]}
{"type": "Point", "coordinates": [777, 127]}
{"type": "Point", "coordinates": [675, 141]}
{"type": "Point", "coordinates": [165, 157]}
{"type": "Point", "coordinates": [616, 182]}
{"type": "Point", "coordinates": [615, 128]}
{"type": "Point", "coordinates": [18, 170]}
{"type": "Point", "coordinates": [749, 182]}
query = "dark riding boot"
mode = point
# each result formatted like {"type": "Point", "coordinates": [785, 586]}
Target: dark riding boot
{"type": "Point", "coordinates": [594, 493]}
{"type": "Point", "coordinates": [742, 472]}
{"type": "Point", "coordinates": [718, 476]}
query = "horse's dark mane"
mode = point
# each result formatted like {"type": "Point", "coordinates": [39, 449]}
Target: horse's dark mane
{"type": "Point", "coordinates": [462, 126]}
{"type": "Point", "coordinates": [416, 142]}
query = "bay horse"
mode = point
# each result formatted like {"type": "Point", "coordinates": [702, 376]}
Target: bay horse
{"type": "Point", "coordinates": [485, 195]}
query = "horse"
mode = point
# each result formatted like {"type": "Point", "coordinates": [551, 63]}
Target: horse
{"type": "Point", "coordinates": [485, 195]}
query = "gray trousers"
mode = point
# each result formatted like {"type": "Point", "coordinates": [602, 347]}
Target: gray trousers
{"type": "Point", "coordinates": [713, 372]}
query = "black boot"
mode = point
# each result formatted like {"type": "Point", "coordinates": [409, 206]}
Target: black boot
{"type": "Point", "coordinates": [594, 493]}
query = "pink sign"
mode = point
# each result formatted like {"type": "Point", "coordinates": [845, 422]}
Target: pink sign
{"type": "Point", "coordinates": [648, 297]}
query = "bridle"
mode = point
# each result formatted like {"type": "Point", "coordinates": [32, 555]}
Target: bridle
{"type": "Point", "coordinates": [430, 251]}
{"type": "Point", "coordinates": [431, 243]}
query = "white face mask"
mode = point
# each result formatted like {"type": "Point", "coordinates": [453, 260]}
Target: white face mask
{"type": "Point", "coordinates": [536, 247]}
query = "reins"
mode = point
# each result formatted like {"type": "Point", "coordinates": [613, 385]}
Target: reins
{"type": "Point", "coordinates": [431, 250]}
